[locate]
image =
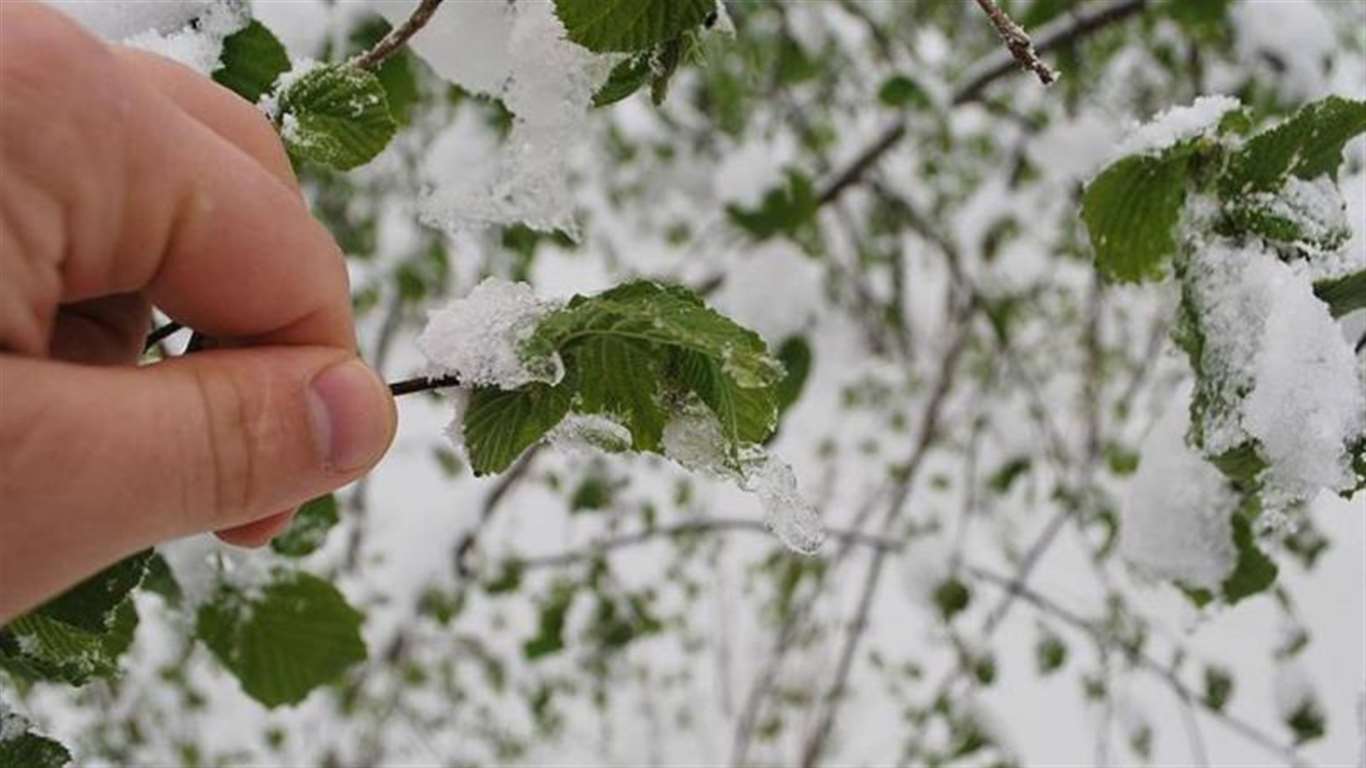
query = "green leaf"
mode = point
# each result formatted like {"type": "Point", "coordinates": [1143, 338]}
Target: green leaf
{"type": "Point", "coordinates": [499, 425]}
{"type": "Point", "coordinates": [550, 628]}
{"type": "Point", "coordinates": [160, 580]}
{"type": "Point", "coordinates": [397, 73]}
{"type": "Point", "coordinates": [1131, 211]}
{"type": "Point", "coordinates": [1050, 653]}
{"type": "Point", "coordinates": [1254, 572]}
{"type": "Point", "coordinates": [1308, 144]}
{"type": "Point", "coordinates": [1003, 478]}
{"type": "Point", "coordinates": [37, 647]}
{"type": "Point", "coordinates": [951, 597]}
{"type": "Point", "coordinates": [309, 529]}
{"type": "Point", "coordinates": [795, 355]}
{"type": "Point", "coordinates": [297, 634]}
{"type": "Point", "coordinates": [669, 316]}
{"type": "Point", "coordinates": [1344, 294]}
{"type": "Point", "coordinates": [626, 78]}
{"type": "Point", "coordinates": [1307, 721]}
{"type": "Point", "coordinates": [901, 91]}
{"type": "Point", "coordinates": [785, 209]}
{"type": "Point", "coordinates": [336, 115]}
{"type": "Point", "coordinates": [90, 605]}
{"type": "Point", "coordinates": [630, 25]}
{"type": "Point", "coordinates": [22, 748]}
{"type": "Point", "coordinates": [746, 415]}
{"type": "Point", "coordinates": [252, 60]}
{"type": "Point", "coordinates": [1218, 688]}
{"type": "Point", "coordinates": [620, 378]}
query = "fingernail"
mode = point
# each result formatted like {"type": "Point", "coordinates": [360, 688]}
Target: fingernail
{"type": "Point", "coordinates": [352, 415]}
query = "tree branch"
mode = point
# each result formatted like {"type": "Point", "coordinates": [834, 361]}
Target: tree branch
{"type": "Point", "coordinates": [691, 527]}
{"type": "Point", "coordinates": [830, 701]}
{"type": "Point", "coordinates": [1054, 35]}
{"type": "Point", "coordinates": [1017, 41]}
{"type": "Point", "coordinates": [1136, 656]}
{"type": "Point", "coordinates": [161, 334]}
{"type": "Point", "coordinates": [397, 37]}
{"type": "Point", "coordinates": [422, 384]}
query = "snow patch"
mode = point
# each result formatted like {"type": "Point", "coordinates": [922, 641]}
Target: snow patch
{"type": "Point", "coordinates": [1176, 125]}
{"type": "Point", "coordinates": [694, 440]}
{"type": "Point", "coordinates": [517, 53]}
{"type": "Point", "coordinates": [1308, 404]}
{"type": "Point", "coordinates": [477, 338]}
{"type": "Point", "coordinates": [1176, 522]}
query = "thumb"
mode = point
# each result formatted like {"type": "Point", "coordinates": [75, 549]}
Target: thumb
{"type": "Point", "coordinates": [101, 462]}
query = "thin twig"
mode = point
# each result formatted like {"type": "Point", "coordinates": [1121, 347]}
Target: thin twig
{"type": "Point", "coordinates": [1063, 32]}
{"type": "Point", "coordinates": [422, 384]}
{"type": "Point", "coordinates": [161, 334]}
{"type": "Point", "coordinates": [690, 528]}
{"type": "Point", "coordinates": [461, 555]}
{"type": "Point", "coordinates": [830, 701]}
{"type": "Point", "coordinates": [1137, 656]}
{"type": "Point", "coordinates": [1017, 41]}
{"type": "Point", "coordinates": [397, 37]}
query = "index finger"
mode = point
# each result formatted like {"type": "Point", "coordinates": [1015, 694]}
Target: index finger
{"type": "Point", "coordinates": [153, 200]}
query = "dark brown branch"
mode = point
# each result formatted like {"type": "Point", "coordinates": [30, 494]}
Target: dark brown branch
{"type": "Point", "coordinates": [1017, 41]}
{"type": "Point", "coordinates": [422, 384]}
{"type": "Point", "coordinates": [161, 334]}
{"type": "Point", "coordinates": [398, 36]}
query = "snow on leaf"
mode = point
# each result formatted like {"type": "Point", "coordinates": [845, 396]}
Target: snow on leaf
{"type": "Point", "coordinates": [335, 115]}
{"type": "Point", "coordinates": [478, 338]}
{"type": "Point", "coordinates": [1178, 125]}
{"type": "Point", "coordinates": [309, 529]}
{"type": "Point", "coordinates": [21, 746]}
{"type": "Point", "coordinates": [1307, 145]}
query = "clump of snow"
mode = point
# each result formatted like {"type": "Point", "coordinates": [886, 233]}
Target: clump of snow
{"type": "Point", "coordinates": [1232, 288]}
{"type": "Point", "coordinates": [694, 440]}
{"type": "Point", "coordinates": [199, 46]}
{"type": "Point", "coordinates": [117, 20]}
{"type": "Point", "coordinates": [1177, 124]}
{"type": "Point", "coordinates": [190, 32]}
{"type": "Point", "coordinates": [194, 564]}
{"type": "Point", "coordinates": [12, 724]}
{"type": "Point", "coordinates": [1315, 206]}
{"type": "Point", "coordinates": [787, 513]}
{"type": "Point", "coordinates": [586, 433]}
{"type": "Point", "coordinates": [478, 338]}
{"type": "Point", "coordinates": [516, 52]}
{"type": "Point", "coordinates": [1308, 404]}
{"type": "Point", "coordinates": [1276, 368]}
{"type": "Point", "coordinates": [1176, 522]}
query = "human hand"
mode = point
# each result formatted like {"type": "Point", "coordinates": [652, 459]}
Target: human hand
{"type": "Point", "coordinates": [126, 182]}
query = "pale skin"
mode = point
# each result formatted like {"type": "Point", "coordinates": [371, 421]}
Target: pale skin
{"type": "Point", "coordinates": [128, 181]}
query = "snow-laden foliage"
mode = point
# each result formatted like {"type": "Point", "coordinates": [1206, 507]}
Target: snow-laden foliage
{"type": "Point", "coordinates": [943, 353]}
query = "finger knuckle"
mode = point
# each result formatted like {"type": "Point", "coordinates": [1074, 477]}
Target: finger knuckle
{"type": "Point", "coordinates": [231, 433]}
